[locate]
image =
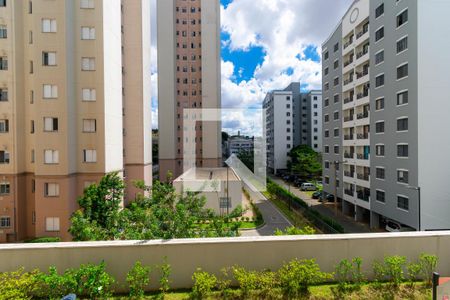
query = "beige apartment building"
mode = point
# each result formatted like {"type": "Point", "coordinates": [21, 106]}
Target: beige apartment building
{"type": "Point", "coordinates": [75, 104]}
{"type": "Point", "coordinates": [188, 78]}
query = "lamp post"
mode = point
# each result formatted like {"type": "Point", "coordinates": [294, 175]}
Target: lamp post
{"type": "Point", "coordinates": [417, 188]}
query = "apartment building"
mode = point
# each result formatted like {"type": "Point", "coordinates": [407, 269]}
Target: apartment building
{"type": "Point", "coordinates": [238, 143]}
{"type": "Point", "coordinates": [188, 78]}
{"type": "Point", "coordinates": [75, 104]}
{"type": "Point", "coordinates": [384, 113]}
{"type": "Point", "coordinates": [314, 117]}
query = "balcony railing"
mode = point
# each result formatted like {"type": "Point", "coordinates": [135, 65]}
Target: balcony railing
{"type": "Point", "coordinates": [362, 95]}
{"type": "Point", "coordinates": [349, 118]}
{"type": "Point", "coordinates": [348, 43]}
{"type": "Point", "coordinates": [364, 197]}
{"type": "Point", "coordinates": [349, 193]}
{"type": "Point", "coordinates": [348, 62]}
{"type": "Point", "coordinates": [362, 136]}
{"type": "Point", "coordinates": [362, 74]}
{"type": "Point", "coordinates": [349, 155]}
{"type": "Point", "coordinates": [362, 115]}
{"type": "Point", "coordinates": [362, 156]}
{"type": "Point", "coordinates": [362, 53]}
{"type": "Point", "coordinates": [348, 81]}
{"type": "Point", "coordinates": [348, 137]}
{"type": "Point", "coordinates": [349, 174]}
{"type": "Point", "coordinates": [364, 177]}
{"type": "Point", "coordinates": [348, 100]}
{"type": "Point", "coordinates": [362, 32]}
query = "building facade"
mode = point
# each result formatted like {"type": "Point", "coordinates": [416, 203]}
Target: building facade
{"type": "Point", "coordinates": [188, 78]}
{"type": "Point", "coordinates": [292, 119]}
{"type": "Point", "coordinates": [383, 101]}
{"type": "Point", "coordinates": [69, 80]}
{"type": "Point", "coordinates": [236, 144]}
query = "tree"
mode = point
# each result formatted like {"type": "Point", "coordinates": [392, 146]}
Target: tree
{"type": "Point", "coordinates": [247, 158]}
{"type": "Point", "coordinates": [225, 136]}
{"type": "Point", "coordinates": [305, 161]}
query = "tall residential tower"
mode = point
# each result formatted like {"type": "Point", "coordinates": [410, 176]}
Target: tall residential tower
{"type": "Point", "coordinates": [75, 104]}
{"type": "Point", "coordinates": [188, 78]}
{"type": "Point", "coordinates": [385, 82]}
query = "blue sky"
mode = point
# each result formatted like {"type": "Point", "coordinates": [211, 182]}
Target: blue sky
{"type": "Point", "coordinates": [266, 44]}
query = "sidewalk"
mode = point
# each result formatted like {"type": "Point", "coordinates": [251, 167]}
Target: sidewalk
{"type": "Point", "coordinates": [328, 209]}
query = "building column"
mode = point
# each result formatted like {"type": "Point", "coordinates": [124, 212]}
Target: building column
{"type": "Point", "coordinates": [359, 213]}
{"type": "Point", "coordinates": [374, 220]}
{"type": "Point", "coordinates": [346, 208]}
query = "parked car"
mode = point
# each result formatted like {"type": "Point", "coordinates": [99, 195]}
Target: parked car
{"type": "Point", "coordinates": [393, 226]}
{"type": "Point", "coordinates": [299, 182]}
{"type": "Point", "coordinates": [317, 195]}
{"type": "Point", "coordinates": [308, 187]}
{"type": "Point", "coordinates": [330, 198]}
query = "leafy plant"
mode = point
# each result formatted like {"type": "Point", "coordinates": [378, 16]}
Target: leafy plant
{"type": "Point", "coordinates": [413, 270]}
{"type": "Point", "coordinates": [247, 280]}
{"type": "Point", "coordinates": [204, 283]}
{"type": "Point", "coordinates": [307, 230]}
{"type": "Point", "coordinates": [138, 279]}
{"type": "Point", "coordinates": [164, 280]}
{"type": "Point", "coordinates": [18, 284]}
{"type": "Point", "coordinates": [298, 275]}
{"type": "Point", "coordinates": [392, 270]}
{"type": "Point", "coordinates": [428, 265]}
{"type": "Point", "coordinates": [45, 240]}
{"type": "Point", "coordinates": [53, 285]}
{"type": "Point", "coordinates": [93, 280]}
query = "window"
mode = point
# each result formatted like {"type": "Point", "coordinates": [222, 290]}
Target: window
{"type": "Point", "coordinates": [336, 98]}
{"type": "Point", "coordinates": [50, 124]}
{"type": "Point", "coordinates": [379, 34]}
{"type": "Point", "coordinates": [326, 71]}
{"type": "Point", "coordinates": [402, 44]}
{"type": "Point", "coordinates": [403, 176]}
{"type": "Point", "coordinates": [50, 91]}
{"type": "Point", "coordinates": [327, 118]}
{"type": "Point", "coordinates": [2, 3]}
{"type": "Point", "coordinates": [49, 58]}
{"type": "Point", "coordinates": [402, 124]}
{"type": "Point", "coordinates": [379, 80]}
{"type": "Point", "coordinates": [48, 25]}
{"type": "Point", "coordinates": [4, 126]}
{"type": "Point", "coordinates": [402, 98]}
{"type": "Point", "coordinates": [88, 64]}
{"type": "Point", "coordinates": [380, 173]}
{"type": "Point", "coordinates": [326, 86]}
{"type": "Point", "coordinates": [379, 127]}
{"type": "Point", "coordinates": [402, 150]}
{"type": "Point", "coordinates": [89, 125]}
{"type": "Point", "coordinates": [3, 32]}
{"type": "Point", "coordinates": [327, 180]}
{"type": "Point", "coordinates": [87, 33]}
{"type": "Point", "coordinates": [89, 156]}
{"type": "Point", "coordinates": [87, 4]}
{"type": "Point", "coordinates": [336, 132]}
{"type": "Point", "coordinates": [336, 81]}
{"type": "Point", "coordinates": [4, 63]}
{"type": "Point", "coordinates": [4, 188]}
{"type": "Point", "coordinates": [379, 104]}
{"type": "Point", "coordinates": [403, 202]}
{"type": "Point", "coordinates": [379, 150]}
{"type": "Point", "coordinates": [327, 133]}
{"type": "Point", "coordinates": [5, 222]}
{"type": "Point", "coordinates": [336, 47]}
{"type": "Point", "coordinates": [379, 10]}
{"type": "Point", "coordinates": [336, 115]}
{"type": "Point", "coordinates": [336, 149]}
{"type": "Point", "coordinates": [327, 165]}
{"type": "Point", "coordinates": [402, 18]}
{"type": "Point", "coordinates": [379, 57]}
{"type": "Point", "coordinates": [3, 94]}
{"type": "Point", "coordinates": [326, 55]}
{"type": "Point", "coordinates": [52, 224]}
{"type": "Point", "coordinates": [327, 149]}
{"type": "Point", "coordinates": [88, 94]}
{"type": "Point", "coordinates": [381, 196]}
{"type": "Point", "coordinates": [4, 157]}
{"type": "Point", "coordinates": [402, 71]}
{"type": "Point", "coordinates": [51, 189]}
{"type": "Point", "coordinates": [327, 102]}
{"type": "Point", "coordinates": [51, 157]}
{"type": "Point", "coordinates": [336, 64]}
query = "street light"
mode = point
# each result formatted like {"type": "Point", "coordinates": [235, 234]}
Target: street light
{"type": "Point", "coordinates": [417, 188]}
{"type": "Point", "coordinates": [336, 163]}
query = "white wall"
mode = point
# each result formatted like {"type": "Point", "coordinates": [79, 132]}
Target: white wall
{"type": "Point", "coordinates": [280, 132]}
{"type": "Point", "coordinates": [433, 112]}
{"type": "Point", "coordinates": [363, 7]}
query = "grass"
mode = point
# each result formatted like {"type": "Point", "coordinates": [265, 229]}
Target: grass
{"type": "Point", "coordinates": [323, 292]}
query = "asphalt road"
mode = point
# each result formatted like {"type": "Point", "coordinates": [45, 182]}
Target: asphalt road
{"type": "Point", "coordinates": [273, 218]}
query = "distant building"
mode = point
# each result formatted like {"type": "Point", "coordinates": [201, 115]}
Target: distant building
{"type": "Point", "coordinates": [293, 118]}
{"type": "Point", "coordinates": [236, 144]}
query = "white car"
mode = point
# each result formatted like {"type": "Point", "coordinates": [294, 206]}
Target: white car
{"type": "Point", "coordinates": [308, 187]}
{"type": "Point", "coordinates": [392, 226]}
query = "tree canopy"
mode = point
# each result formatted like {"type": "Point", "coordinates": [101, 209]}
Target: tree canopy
{"type": "Point", "coordinates": [304, 161]}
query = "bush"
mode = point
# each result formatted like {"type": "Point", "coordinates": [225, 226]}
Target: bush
{"type": "Point", "coordinates": [392, 270]}
{"type": "Point", "coordinates": [428, 265]}
{"type": "Point", "coordinates": [307, 230]}
{"type": "Point", "coordinates": [18, 284]}
{"type": "Point", "coordinates": [298, 275]}
{"type": "Point", "coordinates": [204, 283]}
{"type": "Point", "coordinates": [413, 272]}
{"type": "Point", "coordinates": [348, 274]}
{"type": "Point", "coordinates": [138, 279]}
{"type": "Point", "coordinates": [45, 240]}
{"type": "Point", "coordinates": [247, 280]}
{"type": "Point", "coordinates": [164, 280]}
{"type": "Point", "coordinates": [54, 285]}
{"type": "Point", "coordinates": [93, 280]}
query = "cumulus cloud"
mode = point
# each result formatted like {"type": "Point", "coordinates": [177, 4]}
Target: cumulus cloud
{"type": "Point", "coordinates": [284, 29]}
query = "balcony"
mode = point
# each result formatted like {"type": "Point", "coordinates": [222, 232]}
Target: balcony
{"type": "Point", "coordinates": [349, 174]}
{"type": "Point", "coordinates": [348, 62]}
{"type": "Point", "coordinates": [363, 195]}
{"type": "Point", "coordinates": [349, 155]}
{"type": "Point", "coordinates": [349, 118]}
{"type": "Point", "coordinates": [362, 53]}
{"type": "Point", "coordinates": [348, 100]}
{"type": "Point", "coordinates": [364, 177]}
{"type": "Point", "coordinates": [361, 116]}
{"type": "Point", "coordinates": [362, 156]}
{"type": "Point", "coordinates": [348, 81]}
{"type": "Point", "coordinates": [362, 32]}
{"type": "Point", "coordinates": [348, 137]}
{"type": "Point", "coordinates": [349, 193]}
{"type": "Point", "coordinates": [362, 95]}
{"type": "Point", "coordinates": [362, 136]}
{"type": "Point", "coordinates": [348, 43]}
{"type": "Point", "coordinates": [362, 74]}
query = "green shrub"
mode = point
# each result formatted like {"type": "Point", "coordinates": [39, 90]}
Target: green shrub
{"type": "Point", "coordinates": [392, 270]}
{"type": "Point", "coordinates": [349, 274]}
{"type": "Point", "coordinates": [138, 279]}
{"type": "Point", "coordinates": [247, 280]}
{"type": "Point", "coordinates": [45, 240]}
{"type": "Point", "coordinates": [307, 230]}
{"type": "Point", "coordinates": [93, 280]}
{"type": "Point", "coordinates": [224, 284]}
{"type": "Point", "coordinates": [413, 270]}
{"type": "Point", "coordinates": [53, 285]}
{"type": "Point", "coordinates": [164, 280]}
{"type": "Point", "coordinates": [298, 275]}
{"type": "Point", "coordinates": [428, 265]}
{"type": "Point", "coordinates": [18, 284]}
{"type": "Point", "coordinates": [204, 283]}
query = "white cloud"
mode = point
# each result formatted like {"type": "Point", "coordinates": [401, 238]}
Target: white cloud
{"type": "Point", "coordinates": [284, 29]}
